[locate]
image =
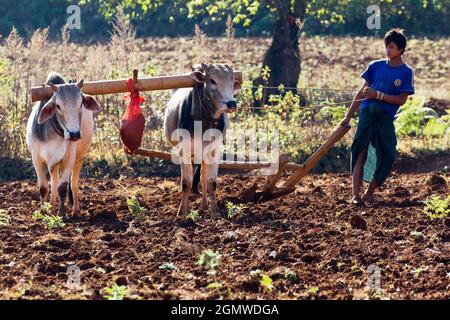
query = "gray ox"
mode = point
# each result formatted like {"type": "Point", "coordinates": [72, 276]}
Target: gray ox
{"type": "Point", "coordinates": [207, 104]}
{"type": "Point", "coordinates": [59, 134]}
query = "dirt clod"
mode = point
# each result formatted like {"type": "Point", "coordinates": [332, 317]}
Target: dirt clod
{"type": "Point", "coordinates": [437, 180]}
{"type": "Point", "coordinates": [358, 222]}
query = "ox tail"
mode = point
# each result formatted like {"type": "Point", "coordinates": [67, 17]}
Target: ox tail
{"type": "Point", "coordinates": [196, 178]}
{"type": "Point", "coordinates": [70, 192]}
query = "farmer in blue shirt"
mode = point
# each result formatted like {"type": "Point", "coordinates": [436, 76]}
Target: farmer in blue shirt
{"type": "Point", "coordinates": [387, 86]}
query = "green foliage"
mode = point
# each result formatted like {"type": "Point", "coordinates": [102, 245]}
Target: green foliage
{"type": "Point", "coordinates": [413, 116]}
{"type": "Point", "coordinates": [312, 291]}
{"type": "Point", "coordinates": [136, 210]}
{"type": "Point", "coordinates": [290, 275]}
{"type": "Point", "coordinates": [437, 127]}
{"type": "Point", "coordinates": [266, 282]}
{"type": "Point", "coordinates": [168, 266]}
{"type": "Point", "coordinates": [265, 73]}
{"type": "Point", "coordinates": [210, 260]}
{"type": "Point", "coordinates": [115, 292]}
{"type": "Point", "coordinates": [334, 114]}
{"type": "Point", "coordinates": [418, 271]}
{"type": "Point", "coordinates": [340, 17]}
{"type": "Point", "coordinates": [193, 215]}
{"type": "Point", "coordinates": [234, 210]}
{"type": "Point", "coordinates": [437, 207]}
{"type": "Point", "coordinates": [44, 214]}
{"type": "Point", "coordinates": [6, 80]}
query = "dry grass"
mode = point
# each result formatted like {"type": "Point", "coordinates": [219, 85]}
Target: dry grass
{"type": "Point", "coordinates": [328, 62]}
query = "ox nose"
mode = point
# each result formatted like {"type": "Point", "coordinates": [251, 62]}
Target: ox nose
{"type": "Point", "coordinates": [75, 136]}
{"type": "Point", "coordinates": [232, 105]}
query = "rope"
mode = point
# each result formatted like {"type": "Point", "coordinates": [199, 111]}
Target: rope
{"type": "Point", "coordinates": [306, 107]}
{"type": "Point", "coordinates": [302, 88]}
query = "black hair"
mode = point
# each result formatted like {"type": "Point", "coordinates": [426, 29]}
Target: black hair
{"type": "Point", "coordinates": [396, 35]}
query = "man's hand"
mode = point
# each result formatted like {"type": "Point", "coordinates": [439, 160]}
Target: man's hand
{"type": "Point", "coordinates": [369, 93]}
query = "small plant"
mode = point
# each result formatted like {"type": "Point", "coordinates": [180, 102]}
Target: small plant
{"type": "Point", "coordinates": [234, 210]}
{"type": "Point", "coordinates": [266, 282]}
{"type": "Point", "coordinates": [418, 271]}
{"type": "Point", "coordinates": [312, 291]}
{"type": "Point", "coordinates": [436, 207]}
{"type": "Point", "coordinates": [46, 208]}
{"type": "Point", "coordinates": [5, 219]}
{"type": "Point", "coordinates": [290, 275]}
{"type": "Point", "coordinates": [44, 214]}
{"type": "Point", "coordinates": [380, 294]}
{"type": "Point", "coordinates": [135, 208]}
{"type": "Point", "coordinates": [416, 234]}
{"type": "Point", "coordinates": [210, 260]}
{"type": "Point", "coordinates": [168, 266]}
{"type": "Point", "coordinates": [354, 268]}
{"type": "Point", "coordinates": [115, 292]}
{"type": "Point", "coordinates": [193, 215]}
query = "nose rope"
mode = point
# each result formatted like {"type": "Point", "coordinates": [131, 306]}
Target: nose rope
{"type": "Point", "coordinates": [66, 133]}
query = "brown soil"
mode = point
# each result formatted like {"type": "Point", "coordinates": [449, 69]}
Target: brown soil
{"type": "Point", "coordinates": [327, 242]}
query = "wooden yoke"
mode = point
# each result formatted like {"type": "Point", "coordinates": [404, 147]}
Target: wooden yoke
{"type": "Point", "coordinates": [119, 86]}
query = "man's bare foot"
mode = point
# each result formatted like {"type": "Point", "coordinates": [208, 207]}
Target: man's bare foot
{"type": "Point", "coordinates": [356, 200]}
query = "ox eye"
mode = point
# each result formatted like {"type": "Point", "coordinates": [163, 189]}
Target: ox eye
{"type": "Point", "coordinates": [59, 108]}
{"type": "Point", "coordinates": [213, 82]}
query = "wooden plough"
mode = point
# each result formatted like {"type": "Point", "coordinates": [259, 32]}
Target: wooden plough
{"type": "Point", "coordinates": [268, 191]}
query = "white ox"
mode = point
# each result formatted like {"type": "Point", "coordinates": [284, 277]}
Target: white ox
{"type": "Point", "coordinates": [59, 134]}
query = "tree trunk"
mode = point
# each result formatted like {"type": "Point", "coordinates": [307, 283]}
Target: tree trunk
{"type": "Point", "coordinates": [283, 56]}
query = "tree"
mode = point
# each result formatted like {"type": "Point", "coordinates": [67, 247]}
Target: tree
{"type": "Point", "coordinates": [283, 57]}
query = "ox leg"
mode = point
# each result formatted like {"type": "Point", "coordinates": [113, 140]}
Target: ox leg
{"type": "Point", "coordinates": [54, 173]}
{"type": "Point", "coordinates": [212, 186]}
{"type": "Point", "coordinates": [186, 187]}
{"type": "Point", "coordinates": [204, 179]}
{"type": "Point", "coordinates": [39, 167]}
{"type": "Point", "coordinates": [73, 188]}
{"type": "Point", "coordinates": [66, 170]}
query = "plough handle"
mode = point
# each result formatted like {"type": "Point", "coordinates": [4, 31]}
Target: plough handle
{"type": "Point", "coordinates": [310, 163]}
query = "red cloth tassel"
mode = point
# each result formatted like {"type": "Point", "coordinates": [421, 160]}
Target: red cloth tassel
{"type": "Point", "coordinates": [132, 123]}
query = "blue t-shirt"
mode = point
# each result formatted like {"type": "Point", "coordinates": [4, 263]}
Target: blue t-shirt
{"type": "Point", "coordinates": [389, 80]}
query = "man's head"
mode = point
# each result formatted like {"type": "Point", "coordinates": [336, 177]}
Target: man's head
{"type": "Point", "coordinates": [395, 42]}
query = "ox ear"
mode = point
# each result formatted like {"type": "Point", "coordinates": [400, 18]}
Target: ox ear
{"type": "Point", "coordinates": [197, 67]}
{"type": "Point", "coordinates": [236, 87]}
{"type": "Point", "coordinates": [90, 103]}
{"type": "Point", "coordinates": [47, 111]}
{"type": "Point", "coordinates": [198, 76]}
{"type": "Point", "coordinates": [204, 67]}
